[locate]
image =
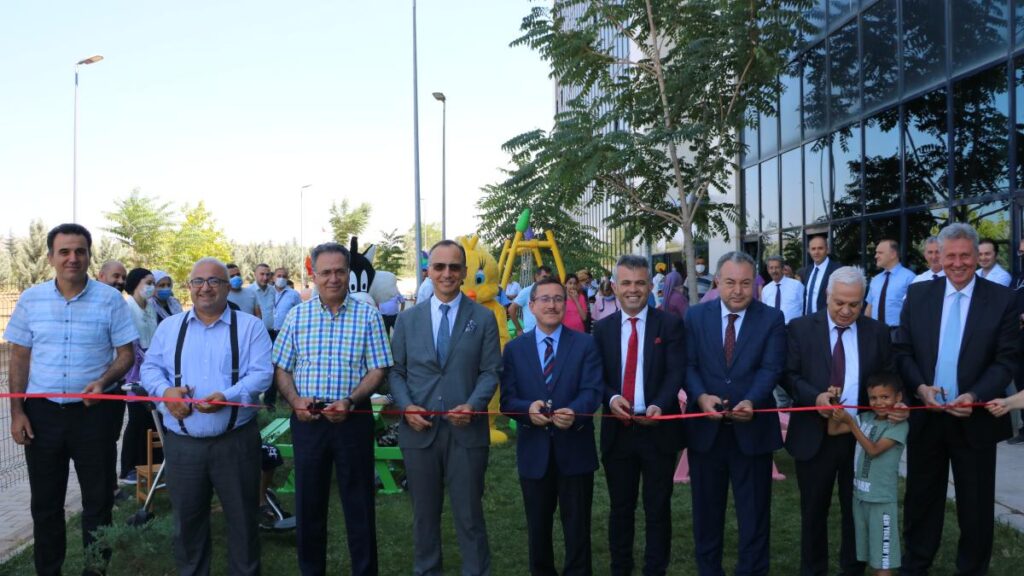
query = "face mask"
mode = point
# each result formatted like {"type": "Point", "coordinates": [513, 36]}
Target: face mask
{"type": "Point", "coordinates": [281, 283]}
{"type": "Point", "coordinates": [700, 268]}
{"type": "Point", "coordinates": [236, 282]}
{"type": "Point", "coordinates": [147, 290]}
{"type": "Point", "coordinates": [119, 286]}
{"type": "Point", "coordinates": [164, 293]}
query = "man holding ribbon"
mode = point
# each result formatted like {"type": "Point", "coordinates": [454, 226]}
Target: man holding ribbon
{"type": "Point", "coordinates": [214, 355]}
{"type": "Point", "coordinates": [331, 355]}
{"type": "Point", "coordinates": [957, 346]}
{"type": "Point", "coordinates": [447, 361]}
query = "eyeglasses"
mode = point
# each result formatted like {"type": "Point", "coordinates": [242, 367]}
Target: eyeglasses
{"type": "Point", "coordinates": [452, 266]}
{"type": "Point", "coordinates": [550, 299]}
{"type": "Point", "coordinates": [213, 281]}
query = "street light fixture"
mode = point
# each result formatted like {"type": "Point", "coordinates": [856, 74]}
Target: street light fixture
{"type": "Point", "coordinates": [439, 96]}
{"type": "Point", "coordinates": [302, 243]}
{"type": "Point", "coordinates": [74, 159]}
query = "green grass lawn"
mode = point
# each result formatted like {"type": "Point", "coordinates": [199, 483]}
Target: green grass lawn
{"type": "Point", "coordinates": [507, 529]}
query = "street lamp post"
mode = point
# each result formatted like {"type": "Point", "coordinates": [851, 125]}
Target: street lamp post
{"type": "Point", "coordinates": [444, 127]}
{"type": "Point", "coordinates": [302, 243]}
{"type": "Point", "coordinates": [74, 153]}
{"type": "Point", "coordinates": [416, 149]}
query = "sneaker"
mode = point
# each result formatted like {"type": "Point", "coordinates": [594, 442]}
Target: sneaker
{"type": "Point", "coordinates": [1018, 439]}
{"type": "Point", "coordinates": [268, 518]}
{"type": "Point", "coordinates": [130, 478]}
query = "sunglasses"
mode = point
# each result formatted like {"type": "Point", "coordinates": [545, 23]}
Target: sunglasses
{"type": "Point", "coordinates": [452, 266]}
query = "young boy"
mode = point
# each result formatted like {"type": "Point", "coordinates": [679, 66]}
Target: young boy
{"type": "Point", "coordinates": [880, 444]}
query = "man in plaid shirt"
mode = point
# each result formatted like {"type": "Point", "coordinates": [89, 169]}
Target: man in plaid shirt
{"type": "Point", "coordinates": [331, 354]}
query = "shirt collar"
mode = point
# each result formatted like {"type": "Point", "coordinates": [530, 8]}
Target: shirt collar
{"type": "Point", "coordinates": [225, 316]}
{"type": "Point", "coordinates": [88, 283]}
{"type": "Point", "coordinates": [823, 265]}
{"type": "Point", "coordinates": [726, 311]}
{"type": "Point", "coordinates": [435, 304]}
{"type": "Point", "coordinates": [893, 270]}
{"type": "Point", "coordinates": [325, 308]}
{"type": "Point", "coordinates": [832, 325]}
{"type": "Point", "coordinates": [967, 291]}
{"type": "Point", "coordinates": [641, 316]}
{"type": "Point", "coordinates": [556, 335]}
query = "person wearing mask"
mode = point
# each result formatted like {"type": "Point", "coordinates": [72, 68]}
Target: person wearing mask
{"type": "Point", "coordinates": [264, 297]}
{"type": "Point", "coordinates": [576, 307]}
{"type": "Point", "coordinates": [140, 287]}
{"type": "Point", "coordinates": [705, 281]}
{"type": "Point", "coordinates": [245, 300]}
{"type": "Point", "coordinates": [285, 298]}
{"type": "Point", "coordinates": [606, 303]}
{"type": "Point", "coordinates": [675, 301]}
{"type": "Point", "coordinates": [163, 300]}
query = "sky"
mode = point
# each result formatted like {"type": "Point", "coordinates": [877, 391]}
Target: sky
{"type": "Point", "coordinates": [239, 103]}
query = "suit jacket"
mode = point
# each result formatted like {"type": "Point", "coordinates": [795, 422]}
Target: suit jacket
{"type": "Point", "coordinates": [805, 277]}
{"type": "Point", "coordinates": [809, 366]}
{"type": "Point", "coordinates": [577, 385]}
{"type": "Point", "coordinates": [664, 345]}
{"type": "Point", "coordinates": [758, 360]}
{"type": "Point", "coordinates": [988, 353]}
{"type": "Point", "coordinates": [469, 374]}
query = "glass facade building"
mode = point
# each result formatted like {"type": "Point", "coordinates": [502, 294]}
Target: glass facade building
{"type": "Point", "coordinates": [898, 116]}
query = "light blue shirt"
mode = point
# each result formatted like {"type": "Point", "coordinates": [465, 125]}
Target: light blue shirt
{"type": "Point", "coordinates": [523, 301]}
{"type": "Point", "coordinates": [435, 315]}
{"type": "Point", "coordinates": [900, 279]}
{"type": "Point", "coordinates": [73, 342]}
{"type": "Point", "coordinates": [542, 347]}
{"type": "Point", "coordinates": [736, 325]}
{"type": "Point", "coordinates": [997, 274]}
{"type": "Point", "coordinates": [265, 299]}
{"type": "Point", "coordinates": [206, 367]}
{"type": "Point", "coordinates": [284, 301]}
{"type": "Point", "coordinates": [947, 303]}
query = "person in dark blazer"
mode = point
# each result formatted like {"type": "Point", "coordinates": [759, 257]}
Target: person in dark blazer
{"type": "Point", "coordinates": [447, 359]}
{"type": "Point", "coordinates": [957, 344]}
{"type": "Point", "coordinates": [551, 385]}
{"type": "Point", "coordinates": [735, 353]}
{"type": "Point", "coordinates": [815, 274]}
{"type": "Point", "coordinates": [841, 347]}
{"type": "Point", "coordinates": [640, 348]}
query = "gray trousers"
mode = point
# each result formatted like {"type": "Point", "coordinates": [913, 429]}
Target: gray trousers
{"type": "Point", "coordinates": [196, 467]}
{"type": "Point", "coordinates": [429, 470]}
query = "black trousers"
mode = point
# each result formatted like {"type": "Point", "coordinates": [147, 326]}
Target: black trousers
{"type": "Point", "coordinates": [64, 433]}
{"type": "Point", "coordinates": [816, 479]}
{"type": "Point", "coordinates": [345, 449]}
{"type": "Point", "coordinates": [930, 452]}
{"type": "Point", "coordinates": [389, 322]}
{"type": "Point", "coordinates": [573, 497]}
{"type": "Point", "coordinates": [114, 419]}
{"type": "Point", "coordinates": [636, 456]}
{"type": "Point", "coordinates": [133, 445]}
{"type": "Point", "coordinates": [270, 396]}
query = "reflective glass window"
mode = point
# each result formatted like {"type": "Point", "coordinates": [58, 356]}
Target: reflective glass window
{"type": "Point", "coordinates": [817, 181]}
{"type": "Point", "coordinates": [845, 94]}
{"type": "Point", "coordinates": [879, 36]}
{"type": "Point", "coordinates": [751, 199]}
{"type": "Point", "coordinates": [920, 225]}
{"type": "Point", "coordinates": [991, 220]}
{"type": "Point", "coordinates": [770, 245]}
{"type": "Point", "coordinates": [878, 229]}
{"type": "Point", "coordinates": [980, 32]}
{"type": "Point", "coordinates": [925, 149]}
{"type": "Point", "coordinates": [793, 248]}
{"type": "Point", "coordinates": [769, 128]}
{"type": "Point", "coordinates": [840, 9]}
{"type": "Point", "coordinates": [1018, 25]}
{"type": "Point", "coordinates": [846, 242]}
{"type": "Point", "coordinates": [1019, 119]}
{"type": "Point", "coordinates": [981, 108]}
{"type": "Point", "coordinates": [815, 14]}
{"type": "Point", "coordinates": [751, 142]}
{"type": "Point", "coordinates": [924, 43]}
{"type": "Point", "coordinates": [814, 112]}
{"type": "Point", "coordinates": [789, 105]}
{"type": "Point", "coordinates": [770, 194]}
{"type": "Point", "coordinates": [882, 161]}
{"type": "Point", "coordinates": [846, 165]}
{"type": "Point", "coordinates": [792, 189]}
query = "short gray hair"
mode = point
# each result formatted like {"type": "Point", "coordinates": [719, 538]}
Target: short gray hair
{"type": "Point", "coordinates": [958, 231]}
{"type": "Point", "coordinates": [775, 258]}
{"type": "Point", "coordinates": [848, 275]}
{"type": "Point", "coordinates": [931, 240]}
{"type": "Point", "coordinates": [736, 257]}
{"type": "Point", "coordinates": [329, 248]}
{"type": "Point", "coordinates": [210, 260]}
{"type": "Point", "coordinates": [631, 261]}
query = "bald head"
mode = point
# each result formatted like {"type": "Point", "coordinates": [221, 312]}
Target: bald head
{"type": "Point", "coordinates": [113, 274]}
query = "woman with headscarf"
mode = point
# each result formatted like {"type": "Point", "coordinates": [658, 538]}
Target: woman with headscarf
{"type": "Point", "coordinates": [163, 300]}
{"type": "Point", "coordinates": [140, 286]}
{"type": "Point", "coordinates": [675, 300]}
{"type": "Point", "coordinates": [605, 304]}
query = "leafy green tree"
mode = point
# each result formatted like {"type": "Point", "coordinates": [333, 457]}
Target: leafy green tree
{"type": "Point", "coordinates": [347, 221]}
{"type": "Point", "coordinates": [107, 248]}
{"type": "Point", "coordinates": [198, 236]}
{"type": "Point", "coordinates": [431, 236]}
{"type": "Point", "coordinates": [30, 264]}
{"type": "Point", "coordinates": [656, 136]}
{"type": "Point", "coordinates": [390, 253]}
{"type": "Point", "coordinates": [142, 223]}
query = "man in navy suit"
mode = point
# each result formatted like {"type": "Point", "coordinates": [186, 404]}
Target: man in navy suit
{"type": "Point", "coordinates": [551, 384]}
{"type": "Point", "coordinates": [640, 347]}
{"type": "Point", "coordinates": [735, 352]}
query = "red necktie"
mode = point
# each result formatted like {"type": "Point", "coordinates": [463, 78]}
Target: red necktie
{"type": "Point", "coordinates": [838, 376]}
{"type": "Point", "coordinates": [629, 378]}
{"type": "Point", "coordinates": [730, 338]}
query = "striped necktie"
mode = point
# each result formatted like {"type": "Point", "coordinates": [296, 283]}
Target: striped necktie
{"type": "Point", "coordinates": [549, 362]}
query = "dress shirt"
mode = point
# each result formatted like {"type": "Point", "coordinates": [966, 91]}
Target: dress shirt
{"type": "Point", "coordinates": [435, 316]}
{"type": "Point", "coordinates": [73, 342]}
{"type": "Point", "coordinates": [639, 402]}
{"type": "Point", "coordinates": [928, 276]}
{"type": "Point", "coordinates": [899, 279]}
{"type": "Point", "coordinates": [265, 298]}
{"type": "Point", "coordinates": [392, 306]}
{"type": "Point", "coordinates": [736, 324]}
{"type": "Point", "coordinates": [284, 301]}
{"type": "Point", "coordinates": [523, 300]}
{"type": "Point", "coordinates": [947, 301]}
{"type": "Point", "coordinates": [542, 347]}
{"type": "Point", "coordinates": [819, 282]}
{"type": "Point", "coordinates": [997, 274]}
{"type": "Point", "coordinates": [328, 354]}
{"type": "Point", "coordinates": [792, 296]}
{"type": "Point", "coordinates": [851, 380]}
{"type": "Point", "coordinates": [206, 367]}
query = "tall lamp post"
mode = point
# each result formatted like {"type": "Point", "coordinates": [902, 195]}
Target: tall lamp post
{"type": "Point", "coordinates": [302, 243]}
{"type": "Point", "coordinates": [444, 126]}
{"type": "Point", "coordinates": [416, 149]}
{"type": "Point", "coordinates": [74, 159]}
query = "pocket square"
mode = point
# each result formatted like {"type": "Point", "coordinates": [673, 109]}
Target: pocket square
{"type": "Point", "coordinates": [657, 340]}
{"type": "Point", "coordinates": [470, 326]}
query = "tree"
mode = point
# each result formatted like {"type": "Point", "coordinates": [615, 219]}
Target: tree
{"type": "Point", "coordinates": [347, 222]}
{"type": "Point", "coordinates": [142, 223]}
{"type": "Point", "coordinates": [390, 252]}
{"type": "Point", "coordinates": [107, 248]}
{"type": "Point", "coordinates": [431, 236]}
{"type": "Point", "coordinates": [196, 237]}
{"type": "Point", "coordinates": [655, 136]}
{"type": "Point", "coordinates": [30, 264]}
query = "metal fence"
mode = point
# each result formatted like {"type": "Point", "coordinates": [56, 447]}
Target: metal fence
{"type": "Point", "coordinates": [12, 458]}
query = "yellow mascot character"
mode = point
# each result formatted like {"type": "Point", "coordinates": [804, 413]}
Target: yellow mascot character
{"type": "Point", "coordinates": [481, 285]}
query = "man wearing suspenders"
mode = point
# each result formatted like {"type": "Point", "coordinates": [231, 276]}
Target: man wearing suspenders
{"type": "Point", "coordinates": [214, 354]}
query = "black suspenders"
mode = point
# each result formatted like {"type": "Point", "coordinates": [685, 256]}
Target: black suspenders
{"type": "Point", "coordinates": [233, 330]}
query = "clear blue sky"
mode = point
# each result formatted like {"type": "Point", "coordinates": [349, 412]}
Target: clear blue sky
{"type": "Point", "coordinates": [239, 103]}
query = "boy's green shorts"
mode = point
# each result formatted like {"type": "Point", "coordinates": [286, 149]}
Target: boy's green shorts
{"type": "Point", "coordinates": [878, 535]}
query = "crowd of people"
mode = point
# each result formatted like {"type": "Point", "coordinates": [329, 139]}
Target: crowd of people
{"type": "Point", "coordinates": [921, 363]}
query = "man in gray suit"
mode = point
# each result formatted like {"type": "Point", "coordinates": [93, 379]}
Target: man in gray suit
{"type": "Point", "coordinates": [447, 359]}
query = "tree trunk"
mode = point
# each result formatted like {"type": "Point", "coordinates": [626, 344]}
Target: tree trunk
{"type": "Point", "coordinates": [690, 257]}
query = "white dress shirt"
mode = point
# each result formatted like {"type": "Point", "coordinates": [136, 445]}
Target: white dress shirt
{"type": "Point", "coordinates": [965, 303]}
{"type": "Point", "coordinates": [851, 381]}
{"type": "Point", "coordinates": [928, 276]}
{"type": "Point", "coordinates": [818, 283]}
{"type": "Point", "coordinates": [435, 315]}
{"type": "Point", "coordinates": [639, 401]}
{"type": "Point", "coordinates": [997, 274]}
{"type": "Point", "coordinates": [792, 299]}
{"type": "Point", "coordinates": [736, 325]}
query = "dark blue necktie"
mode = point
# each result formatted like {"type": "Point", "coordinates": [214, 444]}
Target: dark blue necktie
{"type": "Point", "coordinates": [444, 335]}
{"type": "Point", "coordinates": [549, 362]}
{"type": "Point", "coordinates": [809, 309]}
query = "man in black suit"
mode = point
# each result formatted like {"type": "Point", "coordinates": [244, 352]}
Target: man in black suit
{"type": "Point", "coordinates": [957, 344]}
{"type": "Point", "coordinates": [815, 274]}
{"type": "Point", "coordinates": [837, 347]}
{"type": "Point", "coordinates": [640, 349]}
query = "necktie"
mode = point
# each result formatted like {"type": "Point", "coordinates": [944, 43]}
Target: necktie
{"type": "Point", "coordinates": [809, 309]}
{"type": "Point", "coordinates": [837, 378]}
{"type": "Point", "coordinates": [629, 378]}
{"type": "Point", "coordinates": [881, 299]}
{"type": "Point", "coordinates": [444, 335]}
{"type": "Point", "coordinates": [935, 276]}
{"type": "Point", "coordinates": [730, 338]}
{"type": "Point", "coordinates": [949, 351]}
{"type": "Point", "coordinates": [778, 295]}
{"type": "Point", "coordinates": [549, 363]}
